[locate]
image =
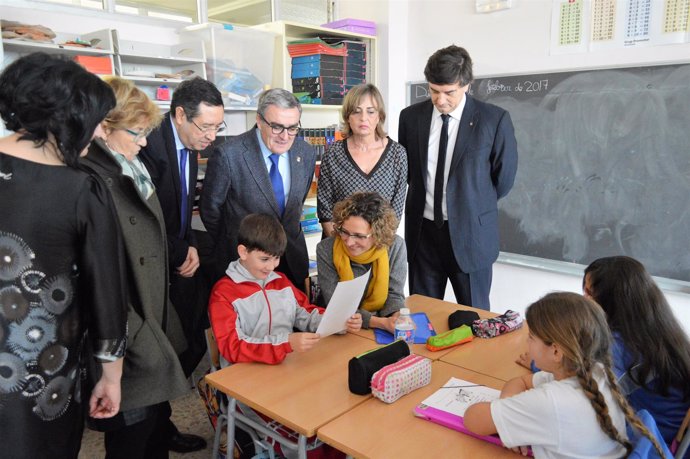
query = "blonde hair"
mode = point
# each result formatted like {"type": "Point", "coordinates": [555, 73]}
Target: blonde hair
{"type": "Point", "coordinates": [578, 325]}
{"type": "Point", "coordinates": [353, 98]}
{"type": "Point", "coordinates": [133, 106]}
{"type": "Point", "coordinates": [374, 209]}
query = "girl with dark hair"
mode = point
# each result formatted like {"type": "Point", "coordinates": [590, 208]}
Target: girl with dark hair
{"type": "Point", "coordinates": [651, 352]}
{"type": "Point", "coordinates": [574, 407]}
{"type": "Point", "coordinates": [61, 299]}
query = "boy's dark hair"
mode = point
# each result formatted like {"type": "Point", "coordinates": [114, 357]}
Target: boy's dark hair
{"type": "Point", "coordinates": [449, 66]}
{"type": "Point", "coordinates": [190, 93]}
{"type": "Point", "coordinates": [262, 232]}
{"type": "Point", "coordinates": [43, 95]}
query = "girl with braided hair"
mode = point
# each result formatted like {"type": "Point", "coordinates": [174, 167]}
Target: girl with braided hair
{"type": "Point", "coordinates": [573, 407]}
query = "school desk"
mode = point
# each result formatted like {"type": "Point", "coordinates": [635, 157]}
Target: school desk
{"type": "Point", "coordinates": [303, 392]}
{"type": "Point", "coordinates": [376, 430]}
{"type": "Point", "coordinates": [438, 312]}
{"type": "Point", "coordinates": [494, 357]}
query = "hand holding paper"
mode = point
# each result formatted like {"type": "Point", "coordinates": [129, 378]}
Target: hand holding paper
{"type": "Point", "coordinates": [343, 305]}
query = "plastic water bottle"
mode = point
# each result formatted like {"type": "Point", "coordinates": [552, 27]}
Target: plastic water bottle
{"type": "Point", "coordinates": [405, 327]}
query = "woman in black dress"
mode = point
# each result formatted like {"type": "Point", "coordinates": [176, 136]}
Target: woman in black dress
{"type": "Point", "coordinates": [61, 297]}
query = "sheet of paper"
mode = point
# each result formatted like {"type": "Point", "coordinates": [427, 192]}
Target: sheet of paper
{"type": "Point", "coordinates": [457, 395]}
{"type": "Point", "coordinates": [343, 304]}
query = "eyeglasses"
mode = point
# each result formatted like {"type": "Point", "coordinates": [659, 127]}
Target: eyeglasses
{"type": "Point", "coordinates": [139, 135]}
{"type": "Point", "coordinates": [345, 234]}
{"type": "Point", "coordinates": [278, 129]}
{"type": "Point", "coordinates": [207, 130]}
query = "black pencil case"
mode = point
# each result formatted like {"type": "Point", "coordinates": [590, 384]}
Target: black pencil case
{"type": "Point", "coordinates": [362, 367]}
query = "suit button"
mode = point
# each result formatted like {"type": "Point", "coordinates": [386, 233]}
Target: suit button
{"type": "Point", "coordinates": [109, 181]}
{"type": "Point", "coordinates": [141, 261]}
{"type": "Point", "coordinates": [133, 220]}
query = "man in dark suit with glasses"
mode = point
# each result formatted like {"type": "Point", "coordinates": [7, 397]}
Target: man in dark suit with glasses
{"type": "Point", "coordinates": [195, 118]}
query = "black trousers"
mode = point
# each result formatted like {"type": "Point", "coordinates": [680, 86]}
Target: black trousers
{"type": "Point", "coordinates": [143, 440]}
{"type": "Point", "coordinates": [434, 265]}
{"type": "Point", "coordinates": [189, 296]}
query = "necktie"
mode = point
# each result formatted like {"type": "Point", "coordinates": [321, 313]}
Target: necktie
{"type": "Point", "coordinates": [440, 166]}
{"type": "Point", "coordinates": [184, 196]}
{"type": "Point", "coordinates": [277, 182]}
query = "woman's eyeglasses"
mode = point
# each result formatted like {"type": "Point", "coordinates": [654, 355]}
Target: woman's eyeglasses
{"type": "Point", "coordinates": [345, 234]}
{"type": "Point", "coordinates": [278, 129]}
{"type": "Point", "coordinates": [138, 135]}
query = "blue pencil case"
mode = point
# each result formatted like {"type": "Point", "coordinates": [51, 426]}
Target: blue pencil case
{"type": "Point", "coordinates": [423, 332]}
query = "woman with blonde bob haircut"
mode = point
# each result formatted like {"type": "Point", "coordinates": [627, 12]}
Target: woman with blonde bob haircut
{"type": "Point", "coordinates": [574, 406]}
{"type": "Point", "coordinates": [152, 372]}
{"type": "Point", "coordinates": [366, 160]}
{"type": "Point", "coordinates": [365, 239]}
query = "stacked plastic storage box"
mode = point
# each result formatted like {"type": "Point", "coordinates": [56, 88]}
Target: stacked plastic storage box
{"type": "Point", "coordinates": [318, 71]}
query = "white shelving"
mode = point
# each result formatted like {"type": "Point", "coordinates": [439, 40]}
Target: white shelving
{"type": "Point", "coordinates": [149, 65]}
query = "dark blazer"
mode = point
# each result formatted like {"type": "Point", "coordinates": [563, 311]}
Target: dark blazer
{"type": "Point", "coordinates": [160, 158]}
{"type": "Point", "coordinates": [237, 184]}
{"type": "Point", "coordinates": [152, 373]}
{"type": "Point", "coordinates": [482, 171]}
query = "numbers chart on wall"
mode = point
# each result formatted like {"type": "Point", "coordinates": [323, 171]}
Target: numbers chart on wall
{"type": "Point", "coordinates": [603, 20]}
{"type": "Point", "coordinates": [676, 16]}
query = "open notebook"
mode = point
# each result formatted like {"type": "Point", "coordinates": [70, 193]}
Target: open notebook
{"type": "Point", "coordinates": [447, 405]}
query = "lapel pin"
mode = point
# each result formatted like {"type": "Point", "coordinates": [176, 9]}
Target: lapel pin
{"type": "Point", "coordinates": [471, 123]}
{"type": "Point", "coordinates": [299, 159]}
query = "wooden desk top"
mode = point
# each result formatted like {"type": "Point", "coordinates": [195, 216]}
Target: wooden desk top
{"type": "Point", "coordinates": [303, 392]}
{"type": "Point", "coordinates": [377, 430]}
{"type": "Point", "coordinates": [438, 312]}
{"type": "Point", "coordinates": [490, 356]}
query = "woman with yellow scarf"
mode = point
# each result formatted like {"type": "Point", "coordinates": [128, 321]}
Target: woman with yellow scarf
{"type": "Point", "coordinates": [365, 239]}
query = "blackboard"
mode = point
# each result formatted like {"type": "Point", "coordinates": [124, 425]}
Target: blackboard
{"type": "Point", "coordinates": [604, 166]}
{"type": "Point", "coordinates": [417, 91]}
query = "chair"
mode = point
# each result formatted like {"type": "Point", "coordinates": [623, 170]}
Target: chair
{"type": "Point", "coordinates": [273, 430]}
{"type": "Point", "coordinates": [682, 440]}
{"type": "Point", "coordinates": [643, 447]}
{"type": "Point", "coordinates": [222, 421]}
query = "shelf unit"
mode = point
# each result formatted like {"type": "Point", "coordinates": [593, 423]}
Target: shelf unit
{"type": "Point", "coordinates": [15, 48]}
{"type": "Point", "coordinates": [143, 63]}
{"type": "Point", "coordinates": [287, 31]}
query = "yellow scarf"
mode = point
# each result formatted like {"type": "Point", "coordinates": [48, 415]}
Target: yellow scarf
{"type": "Point", "coordinates": [377, 292]}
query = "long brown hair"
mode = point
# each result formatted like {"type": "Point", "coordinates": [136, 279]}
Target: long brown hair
{"type": "Point", "coordinates": [630, 297]}
{"type": "Point", "coordinates": [578, 325]}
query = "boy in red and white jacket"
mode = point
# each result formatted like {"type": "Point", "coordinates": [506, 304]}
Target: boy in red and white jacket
{"type": "Point", "coordinates": [253, 309]}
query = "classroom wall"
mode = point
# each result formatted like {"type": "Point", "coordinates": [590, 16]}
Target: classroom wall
{"type": "Point", "coordinates": [511, 41]}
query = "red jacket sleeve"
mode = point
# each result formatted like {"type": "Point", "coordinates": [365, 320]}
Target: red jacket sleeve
{"type": "Point", "coordinates": [233, 344]}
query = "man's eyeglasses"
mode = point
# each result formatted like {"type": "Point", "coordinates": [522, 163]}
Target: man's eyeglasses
{"type": "Point", "coordinates": [207, 130]}
{"type": "Point", "coordinates": [345, 234]}
{"type": "Point", "coordinates": [278, 129]}
{"type": "Point", "coordinates": [139, 135]}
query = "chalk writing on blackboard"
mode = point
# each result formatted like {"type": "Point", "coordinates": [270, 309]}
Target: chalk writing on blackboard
{"type": "Point", "coordinates": [604, 165]}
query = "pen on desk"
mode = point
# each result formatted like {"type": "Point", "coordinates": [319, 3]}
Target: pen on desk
{"type": "Point", "coordinates": [457, 387]}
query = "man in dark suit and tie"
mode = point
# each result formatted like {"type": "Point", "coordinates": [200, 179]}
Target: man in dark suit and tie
{"type": "Point", "coordinates": [462, 158]}
{"type": "Point", "coordinates": [265, 170]}
{"type": "Point", "coordinates": [195, 117]}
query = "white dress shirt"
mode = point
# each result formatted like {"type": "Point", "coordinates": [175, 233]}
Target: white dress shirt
{"type": "Point", "coordinates": [432, 155]}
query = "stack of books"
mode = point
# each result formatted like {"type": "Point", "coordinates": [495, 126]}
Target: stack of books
{"type": "Point", "coordinates": [310, 220]}
{"type": "Point", "coordinates": [320, 138]}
